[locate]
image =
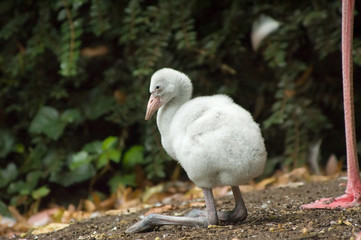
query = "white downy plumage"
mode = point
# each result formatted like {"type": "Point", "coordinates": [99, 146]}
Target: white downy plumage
{"type": "Point", "coordinates": [215, 140]}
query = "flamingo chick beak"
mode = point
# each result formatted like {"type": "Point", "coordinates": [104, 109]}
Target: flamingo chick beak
{"type": "Point", "coordinates": [153, 105]}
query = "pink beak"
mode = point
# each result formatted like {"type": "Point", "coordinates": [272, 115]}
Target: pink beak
{"type": "Point", "coordinates": [153, 105]}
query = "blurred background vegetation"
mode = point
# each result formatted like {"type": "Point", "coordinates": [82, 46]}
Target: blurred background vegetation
{"type": "Point", "coordinates": [74, 78]}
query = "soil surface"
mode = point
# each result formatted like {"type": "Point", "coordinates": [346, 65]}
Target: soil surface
{"type": "Point", "coordinates": [272, 214]}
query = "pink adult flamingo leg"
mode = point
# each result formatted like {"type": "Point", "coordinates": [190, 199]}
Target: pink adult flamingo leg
{"type": "Point", "coordinates": [358, 237]}
{"type": "Point", "coordinates": [352, 196]}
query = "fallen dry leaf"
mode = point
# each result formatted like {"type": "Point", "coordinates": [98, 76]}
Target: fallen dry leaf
{"type": "Point", "coordinates": [6, 221]}
{"type": "Point", "coordinates": [265, 182]}
{"type": "Point", "coordinates": [173, 197]}
{"type": "Point", "coordinates": [49, 228]}
{"type": "Point", "coordinates": [221, 191]}
{"type": "Point", "coordinates": [122, 211]}
{"type": "Point", "coordinates": [197, 204]}
{"type": "Point", "coordinates": [346, 222]}
{"type": "Point", "coordinates": [159, 209]}
{"type": "Point", "coordinates": [296, 175]}
{"type": "Point", "coordinates": [319, 178]}
{"type": "Point", "coordinates": [292, 184]}
{"type": "Point", "coordinates": [247, 188]}
{"type": "Point", "coordinates": [108, 203]}
{"type": "Point", "coordinates": [150, 191]}
{"type": "Point", "coordinates": [16, 214]}
{"type": "Point", "coordinates": [42, 218]}
{"type": "Point", "coordinates": [94, 51]}
{"type": "Point", "coordinates": [194, 193]}
{"type": "Point", "coordinates": [127, 198]}
{"type": "Point", "coordinates": [89, 206]}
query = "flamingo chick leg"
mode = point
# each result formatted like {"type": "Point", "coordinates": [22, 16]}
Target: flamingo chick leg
{"type": "Point", "coordinates": [238, 214]}
{"type": "Point", "coordinates": [153, 220]}
{"type": "Point", "coordinates": [202, 220]}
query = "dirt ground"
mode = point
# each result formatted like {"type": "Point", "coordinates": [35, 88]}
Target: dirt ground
{"type": "Point", "coordinates": [273, 214]}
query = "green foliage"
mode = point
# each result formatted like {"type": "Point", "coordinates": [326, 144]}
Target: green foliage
{"type": "Point", "coordinates": [40, 192]}
{"type": "Point", "coordinates": [71, 31]}
{"type": "Point", "coordinates": [101, 153]}
{"type": "Point", "coordinates": [6, 143]}
{"type": "Point", "coordinates": [8, 174]}
{"type": "Point", "coordinates": [133, 156]}
{"type": "Point", "coordinates": [296, 112]}
{"type": "Point", "coordinates": [74, 77]}
{"type": "Point", "coordinates": [48, 121]}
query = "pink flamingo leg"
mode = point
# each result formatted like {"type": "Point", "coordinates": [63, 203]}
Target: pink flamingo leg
{"type": "Point", "coordinates": [352, 196]}
{"type": "Point", "coordinates": [358, 237]}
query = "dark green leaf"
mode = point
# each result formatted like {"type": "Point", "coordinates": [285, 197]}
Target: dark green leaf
{"type": "Point", "coordinates": [79, 159]}
{"type": "Point", "coordinates": [71, 116]}
{"type": "Point", "coordinates": [47, 121]}
{"type": "Point", "coordinates": [33, 177]}
{"type": "Point", "coordinates": [102, 160]}
{"type": "Point", "coordinates": [6, 142]}
{"type": "Point", "coordinates": [133, 156]}
{"type": "Point", "coordinates": [124, 180]}
{"type": "Point", "coordinates": [94, 147]}
{"type": "Point", "coordinates": [82, 173]}
{"type": "Point", "coordinates": [109, 142]}
{"type": "Point", "coordinates": [40, 192]}
{"type": "Point", "coordinates": [8, 174]}
{"type": "Point", "coordinates": [97, 104]}
{"type": "Point", "coordinates": [19, 187]}
{"type": "Point", "coordinates": [4, 209]}
{"type": "Point", "coordinates": [114, 155]}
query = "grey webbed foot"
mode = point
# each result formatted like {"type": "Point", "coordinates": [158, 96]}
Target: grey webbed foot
{"type": "Point", "coordinates": [200, 218]}
{"type": "Point", "coordinates": [238, 214]}
{"type": "Point", "coordinates": [153, 220]}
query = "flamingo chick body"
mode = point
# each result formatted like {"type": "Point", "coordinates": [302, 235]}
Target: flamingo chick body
{"type": "Point", "coordinates": [215, 140]}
